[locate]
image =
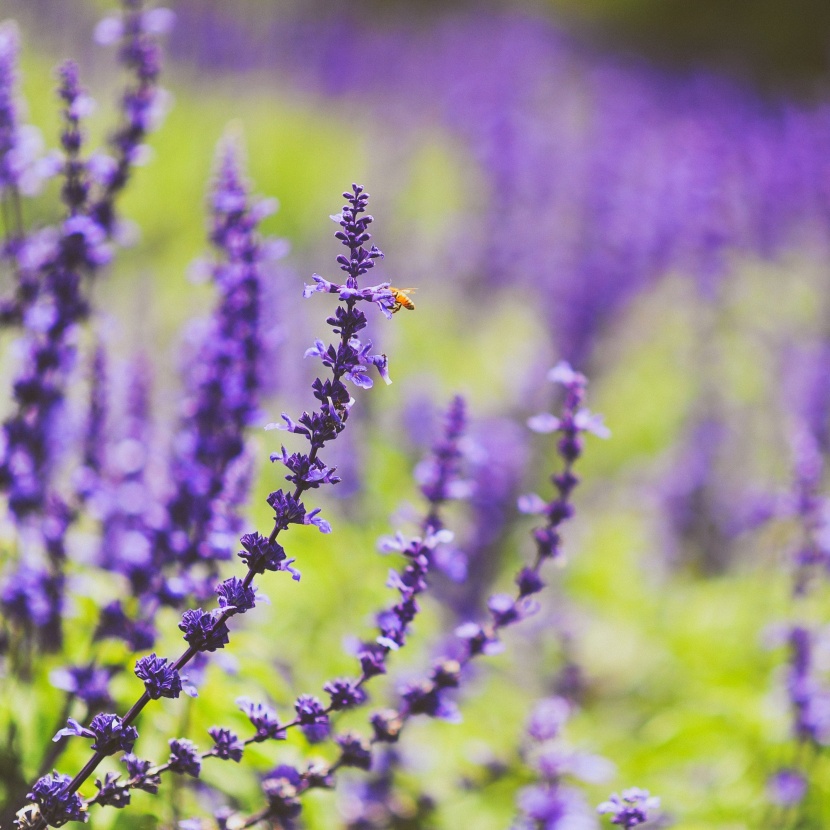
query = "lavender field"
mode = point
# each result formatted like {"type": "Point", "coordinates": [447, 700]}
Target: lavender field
{"type": "Point", "coordinates": [477, 355]}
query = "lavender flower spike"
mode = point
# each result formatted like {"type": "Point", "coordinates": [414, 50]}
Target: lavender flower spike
{"type": "Point", "coordinates": [19, 144]}
{"type": "Point", "coordinates": [207, 631]}
{"type": "Point", "coordinates": [631, 808]}
{"type": "Point", "coordinates": [224, 394]}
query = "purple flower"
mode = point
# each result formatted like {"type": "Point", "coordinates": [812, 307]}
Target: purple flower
{"type": "Point", "coordinates": [112, 792]}
{"type": "Point", "coordinates": [204, 630]}
{"type": "Point", "coordinates": [387, 724]}
{"type": "Point", "coordinates": [312, 718]}
{"type": "Point", "coordinates": [344, 693]}
{"type": "Point", "coordinates": [426, 698]}
{"type": "Point", "coordinates": [224, 377]}
{"type": "Point", "coordinates": [109, 733]}
{"type": "Point", "coordinates": [355, 751]}
{"type": "Point", "coordinates": [264, 720]}
{"type": "Point", "coordinates": [143, 103]}
{"type": "Point", "coordinates": [439, 475]}
{"type": "Point", "coordinates": [503, 609]}
{"type": "Point", "coordinates": [261, 554]}
{"type": "Point", "coordinates": [161, 679]}
{"type": "Point", "coordinates": [282, 787]}
{"type": "Point", "coordinates": [547, 718]}
{"type": "Point", "coordinates": [287, 509]}
{"type": "Point", "coordinates": [19, 144]}
{"type": "Point", "coordinates": [311, 474]}
{"type": "Point", "coordinates": [226, 744]}
{"type": "Point", "coordinates": [57, 805]}
{"type": "Point", "coordinates": [529, 582]}
{"type": "Point", "coordinates": [138, 772]}
{"type": "Point", "coordinates": [76, 106]}
{"type": "Point", "coordinates": [786, 787]}
{"type": "Point", "coordinates": [235, 595]}
{"type": "Point", "coordinates": [478, 639]}
{"type": "Point", "coordinates": [184, 757]}
{"type": "Point", "coordinates": [631, 808]}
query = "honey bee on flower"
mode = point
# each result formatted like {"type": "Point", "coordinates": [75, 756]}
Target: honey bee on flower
{"type": "Point", "coordinates": [401, 297]}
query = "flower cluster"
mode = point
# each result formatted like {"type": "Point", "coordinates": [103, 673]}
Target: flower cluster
{"type": "Point", "coordinates": [207, 631]}
{"type": "Point", "coordinates": [225, 386]}
{"type": "Point", "coordinates": [630, 809]}
{"type": "Point", "coordinates": [432, 696]}
{"type": "Point", "coordinates": [53, 268]}
{"type": "Point", "coordinates": [154, 528]}
{"type": "Point", "coordinates": [551, 803]}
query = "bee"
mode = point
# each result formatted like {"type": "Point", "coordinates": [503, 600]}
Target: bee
{"type": "Point", "coordinates": [402, 300]}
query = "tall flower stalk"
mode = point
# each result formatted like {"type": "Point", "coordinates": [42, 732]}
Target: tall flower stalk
{"type": "Point", "coordinates": [56, 795]}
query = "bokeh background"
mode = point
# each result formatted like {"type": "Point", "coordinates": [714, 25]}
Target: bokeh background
{"type": "Point", "coordinates": [640, 187]}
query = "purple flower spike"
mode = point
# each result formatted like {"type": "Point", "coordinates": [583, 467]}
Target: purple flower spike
{"type": "Point", "coordinates": [77, 106]}
{"type": "Point", "coordinates": [631, 808]}
{"type": "Point", "coordinates": [143, 103]}
{"type": "Point", "coordinates": [57, 806]}
{"type": "Point", "coordinates": [19, 145]}
{"type": "Point", "coordinates": [439, 475]}
{"type": "Point", "coordinates": [225, 377]}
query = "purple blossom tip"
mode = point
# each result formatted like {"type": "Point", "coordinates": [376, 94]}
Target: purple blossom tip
{"type": "Point", "coordinates": [138, 771]}
{"type": "Point", "coordinates": [564, 374]}
{"type": "Point", "coordinates": [547, 718]}
{"type": "Point", "coordinates": [112, 792]}
{"type": "Point", "coordinates": [631, 808]}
